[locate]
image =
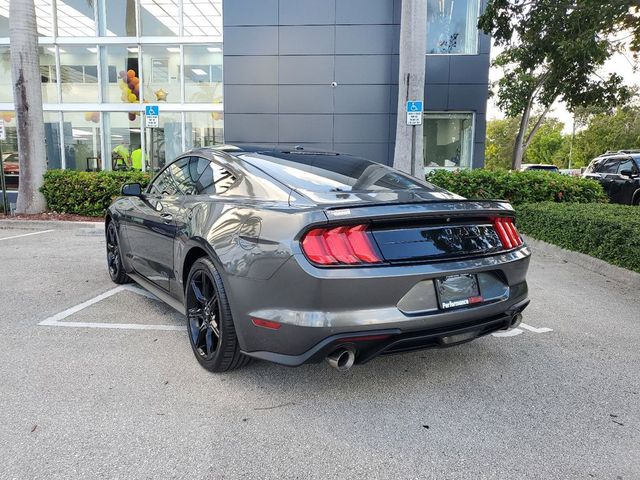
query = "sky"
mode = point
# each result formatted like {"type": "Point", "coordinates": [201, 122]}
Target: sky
{"type": "Point", "coordinates": [621, 64]}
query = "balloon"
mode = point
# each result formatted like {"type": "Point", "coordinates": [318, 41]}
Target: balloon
{"type": "Point", "coordinates": [131, 86]}
{"type": "Point", "coordinates": [135, 81]}
{"type": "Point", "coordinates": [123, 97]}
{"type": "Point", "coordinates": [95, 117]}
{"type": "Point", "coordinates": [7, 118]}
{"type": "Point", "coordinates": [87, 116]}
{"type": "Point", "coordinates": [132, 117]}
{"type": "Point", "coordinates": [122, 74]}
{"type": "Point", "coordinates": [131, 74]}
{"type": "Point", "coordinates": [132, 98]}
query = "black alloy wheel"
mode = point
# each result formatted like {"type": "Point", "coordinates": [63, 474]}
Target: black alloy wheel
{"type": "Point", "coordinates": [211, 330]}
{"type": "Point", "coordinates": [114, 260]}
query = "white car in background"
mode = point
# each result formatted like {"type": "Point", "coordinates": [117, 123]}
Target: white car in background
{"type": "Point", "coordinates": [539, 166]}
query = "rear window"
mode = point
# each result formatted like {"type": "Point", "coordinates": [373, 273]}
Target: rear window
{"type": "Point", "coordinates": [319, 172]}
{"type": "Point", "coordinates": [548, 168]}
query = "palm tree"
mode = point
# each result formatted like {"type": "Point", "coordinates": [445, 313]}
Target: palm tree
{"type": "Point", "coordinates": [408, 155]}
{"type": "Point", "coordinates": [27, 94]}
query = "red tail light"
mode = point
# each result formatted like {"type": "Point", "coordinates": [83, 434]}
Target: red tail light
{"type": "Point", "coordinates": [507, 232]}
{"type": "Point", "coordinates": [340, 246]}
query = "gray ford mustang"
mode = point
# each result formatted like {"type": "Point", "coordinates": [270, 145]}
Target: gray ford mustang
{"type": "Point", "coordinates": [294, 256]}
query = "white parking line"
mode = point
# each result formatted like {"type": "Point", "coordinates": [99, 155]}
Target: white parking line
{"type": "Point", "coordinates": [536, 330]}
{"type": "Point", "coordinates": [57, 319]}
{"type": "Point", "coordinates": [26, 234]}
{"type": "Point", "coordinates": [508, 333]}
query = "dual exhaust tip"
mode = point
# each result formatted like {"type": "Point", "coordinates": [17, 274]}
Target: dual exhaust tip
{"type": "Point", "coordinates": [342, 359]}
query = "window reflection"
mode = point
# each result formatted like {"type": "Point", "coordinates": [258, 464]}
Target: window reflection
{"type": "Point", "coordinates": [48, 74]}
{"type": "Point", "coordinates": [117, 18]}
{"type": "Point", "coordinates": [52, 139]}
{"type": "Point", "coordinates": [203, 73]}
{"type": "Point", "coordinates": [164, 143]}
{"type": "Point", "coordinates": [448, 140]}
{"type": "Point", "coordinates": [160, 17]}
{"type": "Point", "coordinates": [204, 129]}
{"type": "Point", "coordinates": [82, 141]}
{"type": "Point", "coordinates": [79, 74]}
{"type": "Point", "coordinates": [44, 17]}
{"type": "Point", "coordinates": [452, 26]}
{"type": "Point", "coordinates": [76, 18]}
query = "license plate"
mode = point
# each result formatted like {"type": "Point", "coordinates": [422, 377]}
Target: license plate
{"type": "Point", "coordinates": [458, 291]}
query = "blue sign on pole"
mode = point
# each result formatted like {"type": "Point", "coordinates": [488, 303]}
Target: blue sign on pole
{"type": "Point", "coordinates": [151, 115]}
{"type": "Point", "coordinates": [414, 112]}
{"type": "Point", "coordinates": [414, 106]}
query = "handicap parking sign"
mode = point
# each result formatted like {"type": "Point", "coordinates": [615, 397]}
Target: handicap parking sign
{"type": "Point", "coordinates": [151, 115]}
{"type": "Point", "coordinates": [414, 112]}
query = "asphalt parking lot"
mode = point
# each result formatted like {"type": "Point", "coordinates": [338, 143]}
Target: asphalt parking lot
{"type": "Point", "coordinates": [108, 387]}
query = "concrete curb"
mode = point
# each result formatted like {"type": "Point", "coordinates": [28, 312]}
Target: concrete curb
{"type": "Point", "coordinates": [596, 265]}
{"type": "Point", "coordinates": [47, 225]}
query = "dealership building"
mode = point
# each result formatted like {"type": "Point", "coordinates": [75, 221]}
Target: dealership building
{"type": "Point", "coordinates": [318, 73]}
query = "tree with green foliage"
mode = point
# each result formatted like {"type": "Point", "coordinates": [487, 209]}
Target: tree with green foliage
{"type": "Point", "coordinates": [547, 144]}
{"type": "Point", "coordinates": [607, 132]}
{"type": "Point", "coordinates": [553, 50]}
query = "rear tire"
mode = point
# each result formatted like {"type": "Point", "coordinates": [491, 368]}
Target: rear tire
{"type": "Point", "coordinates": [114, 256]}
{"type": "Point", "coordinates": [210, 324]}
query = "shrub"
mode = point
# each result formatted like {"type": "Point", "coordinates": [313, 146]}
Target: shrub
{"type": "Point", "coordinates": [609, 232]}
{"type": "Point", "coordinates": [85, 193]}
{"type": "Point", "coordinates": [518, 187]}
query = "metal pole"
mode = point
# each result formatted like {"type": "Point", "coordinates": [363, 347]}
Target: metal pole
{"type": "Point", "coordinates": [3, 184]}
{"type": "Point", "coordinates": [413, 151]}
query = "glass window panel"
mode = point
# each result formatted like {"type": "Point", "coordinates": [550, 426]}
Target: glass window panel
{"type": "Point", "coordinates": [52, 139]}
{"type": "Point", "coordinates": [452, 26]}
{"type": "Point", "coordinates": [448, 140]}
{"type": "Point", "coordinates": [203, 73]}
{"type": "Point", "coordinates": [76, 18]}
{"type": "Point", "coordinates": [204, 129]}
{"type": "Point", "coordinates": [120, 74]}
{"type": "Point", "coordinates": [82, 150]}
{"type": "Point", "coordinates": [164, 143]}
{"type": "Point", "coordinates": [43, 18]}
{"type": "Point", "coordinates": [10, 150]}
{"type": "Point", "coordinates": [159, 18]}
{"type": "Point", "coordinates": [117, 18]}
{"type": "Point", "coordinates": [6, 86]}
{"type": "Point", "coordinates": [123, 141]}
{"type": "Point", "coordinates": [79, 74]}
{"type": "Point", "coordinates": [203, 17]}
{"type": "Point", "coordinates": [161, 72]}
{"type": "Point", "coordinates": [48, 74]}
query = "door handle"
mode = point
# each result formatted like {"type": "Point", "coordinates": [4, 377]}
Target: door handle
{"type": "Point", "coordinates": [166, 217]}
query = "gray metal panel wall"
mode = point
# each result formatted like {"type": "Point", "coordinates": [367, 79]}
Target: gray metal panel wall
{"type": "Point", "coordinates": [282, 55]}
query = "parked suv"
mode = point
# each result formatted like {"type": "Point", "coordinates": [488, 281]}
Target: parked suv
{"type": "Point", "coordinates": [619, 174]}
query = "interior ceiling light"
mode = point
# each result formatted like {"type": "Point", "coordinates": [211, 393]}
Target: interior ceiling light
{"type": "Point", "coordinates": [133, 49]}
{"type": "Point", "coordinates": [200, 17]}
{"type": "Point", "coordinates": [198, 71]}
{"type": "Point", "coordinates": [173, 49]}
{"type": "Point", "coordinates": [214, 49]}
{"type": "Point", "coordinates": [71, 22]}
{"type": "Point", "coordinates": [92, 49]}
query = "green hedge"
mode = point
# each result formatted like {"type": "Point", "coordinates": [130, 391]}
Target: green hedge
{"type": "Point", "coordinates": [518, 187]}
{"type": "Point", "coordinates": [609, 232]}
{"type": "Point", "coordinates": [85, 193]}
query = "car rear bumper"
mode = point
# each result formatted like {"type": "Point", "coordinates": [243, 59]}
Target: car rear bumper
{"type": "Point", "coordinates": [316, 309]}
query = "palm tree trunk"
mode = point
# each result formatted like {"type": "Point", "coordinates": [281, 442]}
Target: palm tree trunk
{"type": "Point", "coordinates": [27, 94]}
{"type": "Point", "coordinates": [408, 155]}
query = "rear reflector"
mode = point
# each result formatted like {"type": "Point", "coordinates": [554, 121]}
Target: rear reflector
{"type": "Point", "coordinates": [261, 322]}
{"type": "Point", "coordinates": [348, 245]}
{"type": "Point", "coordinates": [507, 232]}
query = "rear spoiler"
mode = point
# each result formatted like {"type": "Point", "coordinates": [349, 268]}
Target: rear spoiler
{"type": "Point", "coordinates": [434, 208]}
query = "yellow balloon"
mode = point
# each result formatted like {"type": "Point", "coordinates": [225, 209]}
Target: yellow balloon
{"type": "Point", "coordinates": [132, 98]}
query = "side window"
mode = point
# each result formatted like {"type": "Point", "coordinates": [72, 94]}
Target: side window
{"type": "Point", "coordinates": [164, 184]}
{"type": "Point", "coordinates": [628, 164]}
{"type": "Point", "coordinates": [215, 179]}
{"type": "Point", "coordinates": [181, 171]}
{"type": "Point", "coordinates": [610, 166]}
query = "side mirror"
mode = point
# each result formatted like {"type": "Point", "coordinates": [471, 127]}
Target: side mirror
{"type": "Point", "coordinates": [627, 173]}
{"type": "Point", "coordinates": [131, 190]}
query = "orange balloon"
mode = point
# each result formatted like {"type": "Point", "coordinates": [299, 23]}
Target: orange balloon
{"type": "Point", "coordinates": [135, 81]}
{"type": "Point", "coordinates": [131, 74]}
